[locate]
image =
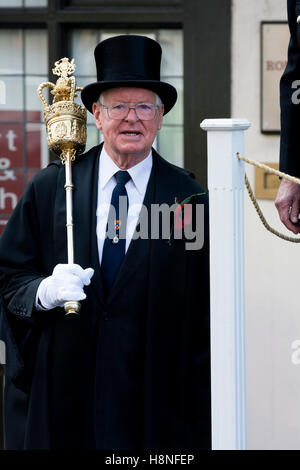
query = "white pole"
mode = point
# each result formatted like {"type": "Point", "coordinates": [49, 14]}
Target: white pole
{"type": "Point", "coordinates": [2, 353]}
{"type": "Point", "coordinates": [226, 210]}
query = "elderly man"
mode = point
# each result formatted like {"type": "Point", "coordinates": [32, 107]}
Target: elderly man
{"type": "Point", "coordinates": [132, 371]}
{"type": "Point", "coordinates": [288, 196]}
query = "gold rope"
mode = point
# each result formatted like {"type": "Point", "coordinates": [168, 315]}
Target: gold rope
{"type": "Point", "coordinates": [269, 169]}
{"type": "Point", "coordinates": [254, 201]}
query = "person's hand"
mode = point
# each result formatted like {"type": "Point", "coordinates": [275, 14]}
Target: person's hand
{"type": "Point", "coordinates": [65, 283]}
{"type": "Point", "coordinates": [287, 203]}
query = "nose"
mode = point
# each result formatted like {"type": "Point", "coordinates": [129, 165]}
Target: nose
{"type": "Point", "coordinates": [131, 116]}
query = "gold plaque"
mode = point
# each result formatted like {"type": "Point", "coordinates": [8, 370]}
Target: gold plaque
{"type": "Point", "coordinates": [265, 184]}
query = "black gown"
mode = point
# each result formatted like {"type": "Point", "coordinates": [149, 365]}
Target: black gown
{"type": "Point", "coordinates": [133, 371]}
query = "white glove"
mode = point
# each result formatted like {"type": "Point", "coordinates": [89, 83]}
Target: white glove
{"type": "Point", "coordinates": [65, 283]}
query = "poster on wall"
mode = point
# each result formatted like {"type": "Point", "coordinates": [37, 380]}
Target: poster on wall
{"type": "Point", "coordinates": [274, 44]}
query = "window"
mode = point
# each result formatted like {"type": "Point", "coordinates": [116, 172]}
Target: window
{"type": "Point", "coordinates": [23, 145]}
{"type": "Point", "coordinates": [22, 3]}
{"type": "Point", "coordinates": [169, 141]}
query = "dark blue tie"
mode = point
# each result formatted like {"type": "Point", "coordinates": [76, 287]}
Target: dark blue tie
{"type": "Point", "coordinates": [115, 242]}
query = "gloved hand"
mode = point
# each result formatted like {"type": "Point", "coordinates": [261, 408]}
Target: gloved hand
{"type": "Point", "coordinates": [65, 283]}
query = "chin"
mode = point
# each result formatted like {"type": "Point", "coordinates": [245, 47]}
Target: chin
{"type": "Point", "coordinates": [131, 149]}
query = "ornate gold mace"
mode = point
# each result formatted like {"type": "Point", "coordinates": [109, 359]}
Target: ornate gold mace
{"type": "Point", "coordinates": [66, 136]}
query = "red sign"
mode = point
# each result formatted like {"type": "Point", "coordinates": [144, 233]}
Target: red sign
{"type": "Point", "coordinates": [3, 222]}
{"type": "Point", "coordinates": [10, 191]}
{"type": "Point", "coordinates": [33, 146]}
{"type": "Point", "coordinates": [12, 144]}
{"type": "Point", "coordinates": [20, 159]}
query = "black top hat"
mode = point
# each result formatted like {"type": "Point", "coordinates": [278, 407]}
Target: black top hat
{"type": "Point", "coordinates": [128, 61]}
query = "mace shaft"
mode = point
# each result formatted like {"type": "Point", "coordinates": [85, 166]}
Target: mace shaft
{"type": "Point", "coordinates": [71, 307]}
{"type": "Point", "coordinates": [69, 207]}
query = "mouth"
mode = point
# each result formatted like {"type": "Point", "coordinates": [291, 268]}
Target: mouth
{"type": "Point", "coordinates": [131, 133]}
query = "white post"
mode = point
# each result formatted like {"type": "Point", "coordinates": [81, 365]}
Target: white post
{"type": "Point", "coordinates": [226, 201]}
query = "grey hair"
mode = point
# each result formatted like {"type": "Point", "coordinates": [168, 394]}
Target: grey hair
{"type": "Point", "coordinates": [158, 101]}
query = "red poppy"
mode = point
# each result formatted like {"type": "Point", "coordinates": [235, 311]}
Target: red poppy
{"type": "Point", "coordinates": [183, 216]}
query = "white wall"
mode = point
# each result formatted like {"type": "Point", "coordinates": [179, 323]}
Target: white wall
{"type": "Point", "coordinates": [272, 273]}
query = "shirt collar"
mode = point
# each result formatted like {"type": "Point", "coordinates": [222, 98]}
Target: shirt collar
{"type": "Point", "coordinates": [139, 173]}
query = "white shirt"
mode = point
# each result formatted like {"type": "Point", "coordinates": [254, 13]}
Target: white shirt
{"type": "Point", "coordinates": [135, 187]}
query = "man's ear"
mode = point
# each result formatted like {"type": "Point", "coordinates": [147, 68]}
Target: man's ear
{"type": "Point", "coordinates": [97, 115]}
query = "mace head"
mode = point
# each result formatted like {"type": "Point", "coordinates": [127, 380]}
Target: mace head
{"type": "Point", "coordinates": [64, 68]}
{"type": "Point", "coordinates": [65, 119]}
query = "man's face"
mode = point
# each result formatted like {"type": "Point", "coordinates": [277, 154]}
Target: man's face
{"type": "Point", "coordinates": [130, 137]}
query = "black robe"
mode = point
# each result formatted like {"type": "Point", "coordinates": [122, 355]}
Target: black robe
{"type": "Point", "coordinates": [132, 371]}
{"type": "Point", "coordinates": [290, 109]}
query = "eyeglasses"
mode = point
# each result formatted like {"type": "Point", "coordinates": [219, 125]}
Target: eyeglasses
{"type": "Point", "coordinates": [143, 111]}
